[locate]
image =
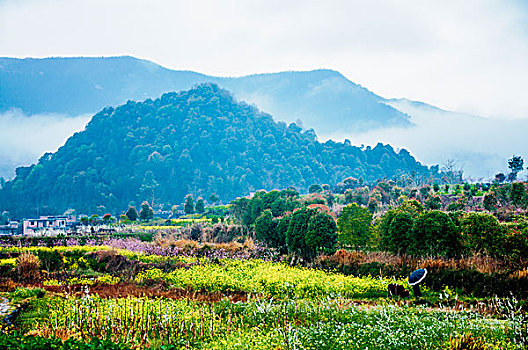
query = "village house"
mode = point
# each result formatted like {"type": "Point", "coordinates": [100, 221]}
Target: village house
{"type": "Point", "coordinates": [47, 225]}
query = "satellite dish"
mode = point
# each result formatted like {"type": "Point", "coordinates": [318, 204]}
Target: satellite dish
{"type": "Point", "coordinates": [415, 279]}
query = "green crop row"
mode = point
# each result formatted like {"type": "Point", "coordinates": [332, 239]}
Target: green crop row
{"type": "Point", "coordinates": [268, 324]}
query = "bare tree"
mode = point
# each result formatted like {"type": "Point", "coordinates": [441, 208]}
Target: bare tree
{"type": "Point", "coordinates": [452, 171]}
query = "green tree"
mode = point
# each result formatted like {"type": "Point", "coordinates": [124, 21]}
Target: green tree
{"type": "Point", "coordinates": [94, 219]}
{"type": "Point", "coordinates": [482, 233]}
{"type": "Point", "coordinates": [315, 188]}
{"type": "Point", "coordinates": [146, 213]}
{"type": "Point", "coordinates": [354, 226]}
{"type": "Point", "coordinates": [399, 234]}
{"type": "Point", "coordinates": [267, 231]}
{"type": "Point", "coordinates": [424, 192]}
{"type": "Point", "coordinates": [515, 164]}
{"type": "Point", "coordinates": [435, 234]}
{"type": "Point", "coordinates": [321, 235]}
{"type": "Point", "coordinates": [297, 229]}
{"type": "Point", "coordinates": [517, 193]}
{"type": "Point", "coordinates": [500, 177]}
{"type": "Point", "coordinates": [373, 205]}
{"type": "Point", "coordinates": [433, 203]}
{"type": "Point", "coordinates": [132, 213]}
{"type": "Point", "coordinates": [490, 201]}
{"type": "Point", "coordinates": [188, 206]}
{"type": "Point", "coordinates": [200, 205]}
{"type": "Point", "coordinates": [213, 198]}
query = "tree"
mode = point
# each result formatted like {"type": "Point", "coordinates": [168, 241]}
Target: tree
{"type": "Point", "coordinates": [435, 234]}
{"type": "Point", "coordinates": [315, 188]}
{"type": "Point", "coordinates": [94, 219]}
{"type": "Point", "coordinates": [149, 187]}
{"type": "Point", "coordinates": [123, 218]}
{"type": "Point", "coordinates": [398, 237]}
{"type": "Point", "coordinates": [213, 198]}
{"type": "Point", "coordinates": [500, 177]}
{"type": "Point", "coordinates": [515, 163]}
{"type": "Point", "coordinates": [424, 192]}
{"type": "Point", "coordinates": [490, 201]}
{"type": "Point", "coordinates": [321, 235]}
{"type": "Point", "coordinates": [266, 230]}
{"type": "Point", "coordinates": [452, 172]}
{"type": "Point", "coordinates": [354, 226]}
{"type": "Point", "coordinates": [188, 206]}
{"type": "Point", "coordinates": [517, 193]}
{"type": "Point", "coordinates": [199, 206]}
{"type": "Point", "coordinates": [107, 217]}
{"type": "Point", "coordinates": [146, 213]}
{"type": "Point", "coordinates": [482, 233]}
{"type": "Point", "coordinates": [132, 213]}
{"type": "Point", "coordinates": [433, 203]}
{"type": "Point", "coordinates": [297, 229]}
{"type": "Point", "coordinates": [373, 205]}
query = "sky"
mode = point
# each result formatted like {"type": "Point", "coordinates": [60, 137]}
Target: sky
{"type": "Point", "coordinates": [469, 56]}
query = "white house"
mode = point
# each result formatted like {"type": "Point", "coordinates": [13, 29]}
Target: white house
{"type": "Point", "coordinates": [46, 225]}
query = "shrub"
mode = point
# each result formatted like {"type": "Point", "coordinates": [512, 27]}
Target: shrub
{"type": "Point", "coordinates": [27, 267]}
{"type": "Point", "coordinates": [51, 260]}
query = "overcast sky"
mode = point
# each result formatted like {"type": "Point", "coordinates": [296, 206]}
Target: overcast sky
{"type": "Point", "coordinates": [469, 56]}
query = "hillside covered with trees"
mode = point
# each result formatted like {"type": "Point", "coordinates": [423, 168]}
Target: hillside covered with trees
{"type": "Point", "coordinates": [199, 141]}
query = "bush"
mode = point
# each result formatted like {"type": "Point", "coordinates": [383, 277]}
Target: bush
{"type": "Point", "coordinates": [27, 267]}
{"type": "Point", "coordinates": [51, 260]}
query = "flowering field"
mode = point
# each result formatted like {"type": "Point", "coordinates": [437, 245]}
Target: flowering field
{"type": "Point", "coordinates": [142, 295]}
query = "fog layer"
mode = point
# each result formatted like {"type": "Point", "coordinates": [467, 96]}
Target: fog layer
{"type": "Point", "coordinates": [25, 138]}
{"type": "Point", "coordinates": [481, 146]}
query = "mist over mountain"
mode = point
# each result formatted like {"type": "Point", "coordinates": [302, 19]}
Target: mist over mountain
{"type": "Point", "coordinates": [480, 146]}
{"type": "Point", "coordinates": [199, 141]}
{"type": "Point", "coordinates": [324, 100]}
{"type": "Point", "coordinates": [25, 138]}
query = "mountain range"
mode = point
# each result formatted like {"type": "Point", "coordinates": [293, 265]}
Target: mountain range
{"type": "Point", "coordinates": [43, 101]}
{"type": "Point", "coordinates": [74, 86]}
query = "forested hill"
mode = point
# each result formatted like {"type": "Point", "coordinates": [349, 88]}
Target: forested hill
{"type": "Point", "coordinates": [199, 141]}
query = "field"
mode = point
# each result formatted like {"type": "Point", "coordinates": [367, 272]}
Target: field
{"type": "Point", "coordinates": [141, 295]}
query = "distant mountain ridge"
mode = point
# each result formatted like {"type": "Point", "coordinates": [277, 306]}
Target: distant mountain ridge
{"type": "Point", "coordinates": [320, 98]}
{"type": "Point", "coordinates": [199, 141]}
